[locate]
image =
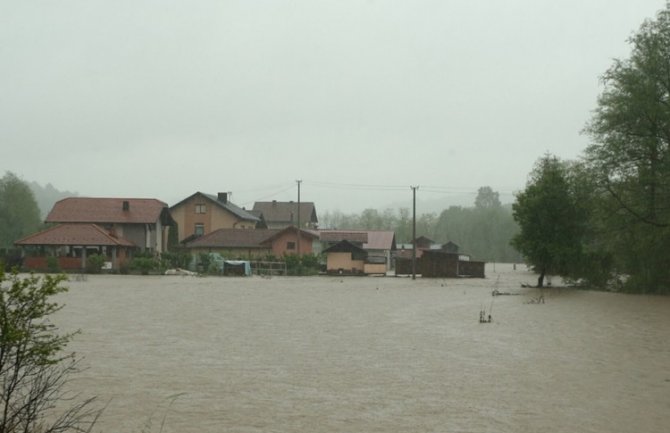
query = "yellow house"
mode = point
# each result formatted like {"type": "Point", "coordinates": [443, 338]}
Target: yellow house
{"type": "Point", "coordinates": [200, 214]}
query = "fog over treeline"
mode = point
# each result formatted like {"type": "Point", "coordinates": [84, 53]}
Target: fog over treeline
{"type": "Point", "coordinates": [483, 230]}
{"type": "Point", "coordinates": [47, 195]}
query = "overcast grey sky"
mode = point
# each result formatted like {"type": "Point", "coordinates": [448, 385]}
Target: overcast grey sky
{"type": "Point", "coordinates": [157, 98]}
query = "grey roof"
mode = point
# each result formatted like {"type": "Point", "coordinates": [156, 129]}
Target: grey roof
{"type": "Point", "coordinates": [285, 211]}
{"type": "Point", "coordinates": [238, 211]}
{"type": "Point", "coordinates": [230, 207]}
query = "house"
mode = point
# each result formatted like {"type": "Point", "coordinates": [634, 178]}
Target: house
{"type": "Point", "coordinates": [142, 222]}
{"type": "Point", "coordinates": [233, 243]}
{"type": "Point", "coordinates": [200, 214]}
{"type": "Point", "coordinates": [450, 247]}
{"type": "Point", "coordinates": [281, 214]}
{"type": "Point", "coordinates": [111, 227]}
{"type": "Point", "coordinates": [70, 244]}
{"type": "Point", "coordinates": [286, 241]}
{"type": "Point", "coordinates": [424, 243]}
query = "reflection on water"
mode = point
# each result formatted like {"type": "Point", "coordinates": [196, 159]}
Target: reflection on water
{"type": "Point", "coordinates": [369, 354]}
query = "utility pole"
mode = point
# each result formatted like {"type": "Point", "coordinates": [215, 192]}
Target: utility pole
{"type": "Point", "coordinates": [298, 244]}
{"type": "Point", "coordinates": [414, 188]}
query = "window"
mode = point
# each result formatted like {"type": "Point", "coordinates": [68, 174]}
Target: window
{"type": "Point", "coordinates": [290, 245]}
{"type": "Point", "coordinates": [199, 229]}
{"type": "Point", "coordinates": [200, 208]}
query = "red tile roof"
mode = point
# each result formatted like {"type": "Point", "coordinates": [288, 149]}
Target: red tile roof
{"type": "Point", "coordinates": [233, 238]}
{"type": "Point", "coordinates": [106, 210]}
{"type": "Point", "coordinates": [74, 234]}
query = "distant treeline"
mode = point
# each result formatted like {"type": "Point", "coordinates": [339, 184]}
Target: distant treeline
{"type": "Point", "coordinates": [484, 230]}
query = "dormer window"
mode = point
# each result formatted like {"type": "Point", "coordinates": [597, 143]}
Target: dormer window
{"type": "Point", "coordinates": [200, 208]}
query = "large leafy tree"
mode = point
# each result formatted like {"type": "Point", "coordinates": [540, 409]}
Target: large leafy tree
{"type": "Point", "coordinates": [630, 156]}
{"type": "Point", "coordinates": [549, 220]}
{"type": "Point", "coordinates": [19, 213]}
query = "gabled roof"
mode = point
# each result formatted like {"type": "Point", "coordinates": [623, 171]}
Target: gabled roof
{"type": "Point", "coordinates": [342, 235]}
{"type": "Point", "coordinates": [371, 239]}
{"type": "Point", "coordinates": [313, 234]}
{"type": "Point", "coordinates": [74, 234]}
{"type": "Point", "coordinates": [100, 210]}
{"type": "Point", "coordinates": [230, 207]}
{"type": "Point", "coordinates": [232, 238]}
{"type": "Point", "coordinates": [380, 240]}
{"type": "Point", "coordinates": [285, 211]}
{"type": "Point", "coordinates": [344, 247]}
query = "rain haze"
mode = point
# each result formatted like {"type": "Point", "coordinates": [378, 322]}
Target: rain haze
{"type": "Point", "coordinates": [359, 99]}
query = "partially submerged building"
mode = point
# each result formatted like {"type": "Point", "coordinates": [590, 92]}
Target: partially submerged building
{"type": "Point", "coordinates": [110, 227]}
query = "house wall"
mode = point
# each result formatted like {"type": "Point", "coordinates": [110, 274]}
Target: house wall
{"type": "Point", "coordinates": [35, 263]}
{"type": "Point", "coordinates": [337, 261]}
{"type": "Point", "coordinates": [214, 218]}
{"type": "Point", "coordinates": [279, 245]}
{"type": "Point", "coordinates": [374, 268]}
{"type": "Point", "coordinates": [234, 253]}
{"type": "Point", "coordinates": [135, 233]}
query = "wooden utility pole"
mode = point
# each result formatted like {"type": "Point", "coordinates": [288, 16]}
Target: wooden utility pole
{"type": "Point", "coordinates": [298, 243]}
{"type": "Point", "coordinates": [414, 188]}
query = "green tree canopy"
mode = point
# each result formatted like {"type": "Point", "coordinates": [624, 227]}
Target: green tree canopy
{"type": "Point", "coordinates": [487, 198]}
{"type": "Point", "coordinates": [19, 213]}
{"type": "Point", "coordinates": [549, 220]}
{"type": "Point", "coordinates": [630, 157]}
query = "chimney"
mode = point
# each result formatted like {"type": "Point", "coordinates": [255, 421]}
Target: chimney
{"type": "Point", "coordinates": [126, 205]}
{"type": "Point", "coordinates": [223, 197]}
{"type": "Point", "coordinates": [274, 203]}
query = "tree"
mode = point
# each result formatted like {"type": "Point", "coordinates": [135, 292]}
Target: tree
{"type": "Point", "coordinates": [19, 213]}
{"type": "Point", "coordinates": [549, 220]}
{"type": "Point", "coordinates": [487, 198]}
{"type": "Point", "coordinates": [33, 368]}
{"type": "Point", "coordinates": [630, 154]}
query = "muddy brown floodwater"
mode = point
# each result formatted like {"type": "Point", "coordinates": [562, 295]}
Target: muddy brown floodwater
{"type": "Point", "coordinates": [324, 354]}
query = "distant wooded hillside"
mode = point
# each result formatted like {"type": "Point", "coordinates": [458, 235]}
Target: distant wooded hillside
{"type": "Point", "coordinates": [46, 196]}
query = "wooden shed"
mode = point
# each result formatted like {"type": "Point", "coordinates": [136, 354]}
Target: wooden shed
{"type": "Point", "coordinates": [345, 258]}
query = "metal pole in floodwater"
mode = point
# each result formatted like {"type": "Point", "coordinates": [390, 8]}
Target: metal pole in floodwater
{"type": "Point", "coordinates": [414, 188]}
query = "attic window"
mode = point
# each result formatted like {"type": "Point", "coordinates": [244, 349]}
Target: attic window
{"type": "Point", "coordinates": [200, 208]}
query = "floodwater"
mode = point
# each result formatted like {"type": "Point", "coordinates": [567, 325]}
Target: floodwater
{"type": "Point", "coordinates": [331, 354]}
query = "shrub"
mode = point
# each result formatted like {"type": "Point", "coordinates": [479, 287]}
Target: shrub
{"type": "Point", "coordinates": [53, 266]}
{"type": "Point", "coordinates": [143, 264]}
{"type": "Point", "coordinates": [94, 263]}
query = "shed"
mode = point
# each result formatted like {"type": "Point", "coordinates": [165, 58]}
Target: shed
{"type": "Point", "coordinates": [345, 258]}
